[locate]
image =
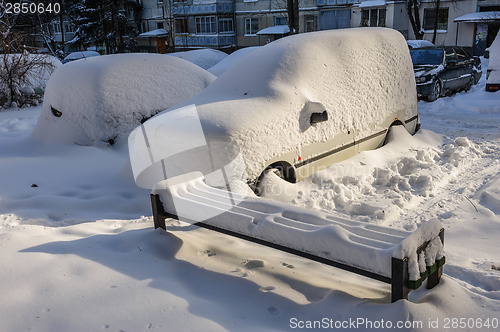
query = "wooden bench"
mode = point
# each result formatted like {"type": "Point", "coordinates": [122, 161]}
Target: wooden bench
{"type": "Point", "coordinates": [400, 258]}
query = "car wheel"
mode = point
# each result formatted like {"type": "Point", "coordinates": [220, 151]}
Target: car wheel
{"type": "Point", "coordinates": [470, 83]}
{"type": "Point", "coordinates": [477, 77]}
{"type": "Point", "coordinates": [282, 169]}
{"type": "Point", "coordinates": [388, 133]}
{"type": "Point", "coordinates": [435, 91]}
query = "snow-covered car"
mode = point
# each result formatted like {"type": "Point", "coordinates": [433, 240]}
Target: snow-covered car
{"type": "Point", "coordinates": [204, 57]}
{"type": "Point", "coordinates": [102, 99]}
{"type": "Point", "coordinates": [493, 72]}
{"type": "Point", "coordinates": [293, 106]}
{"type": "Point", "coordinates": [441, 70]}
{"type": "Point", "coordinates": [79, 55]}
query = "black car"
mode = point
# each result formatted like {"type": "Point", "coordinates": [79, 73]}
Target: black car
{"type": "Point", "coordinates": [441, 70]}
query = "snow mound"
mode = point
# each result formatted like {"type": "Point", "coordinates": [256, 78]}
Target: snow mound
{"type": "Point", "coordinates": [263, 102]}
{"type": "Point", "coordinates": [490, 195]}
{"type": "Point", "coordinates": [103, 98]}
{"type": "Point", "coordinates": [204, 58]}
{"type": "Point", "coordinates": [230, 60]}
{"type": "Point", "coordinates": [381, 186]}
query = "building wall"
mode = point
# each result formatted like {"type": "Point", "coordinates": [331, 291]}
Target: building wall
{"type": "Point", "coordinates": [449, 36]}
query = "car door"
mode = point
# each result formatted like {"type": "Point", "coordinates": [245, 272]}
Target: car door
{"type": "Point", "coordinates": [337, 144]}
{"type": "Point", "coordinates": [464, 63]}
{"type": "Point", "coordinates": [451, 74]}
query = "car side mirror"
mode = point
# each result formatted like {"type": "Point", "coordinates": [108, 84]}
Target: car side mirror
{"type": "Point", "coordinates": [318, 117]}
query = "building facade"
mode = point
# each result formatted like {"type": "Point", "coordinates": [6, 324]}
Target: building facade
{"type": "Point", "coordinates": [202, 23]}
{"type": "Point", "coordinates": [254, 15]}
{"type": "Point", "coordinates": [177, 25]}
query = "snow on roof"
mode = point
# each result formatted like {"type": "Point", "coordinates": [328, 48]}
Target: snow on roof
{"type": "Point", "coordinates": [154, 33]}
{"type": "Point", "coordinates": [230, 60]}
{"type": "Point", "coordinates": [81, 55]}
{"type": "Point", "coordinates": [372, 3]}
{"type": "Point", "coordinates": [106, 97]}
{"type": "Point", "coordinates": [267, 93]}
{"type": "Point", "coordinates": [419, 43]}
{"type": "Point", "coordinates": [479, 17]}
{"type": "Point", "coordinates": [204, 2]}
{"type": "Point", "coordinates": [205, 57]}
{"type": "Point", "coordinates": [275, 30]}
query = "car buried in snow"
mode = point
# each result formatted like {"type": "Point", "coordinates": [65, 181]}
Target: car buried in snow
{"type": "Point", "coordinates": [442, 70]}
{"type": "Point", "coordinates": [493, 72]}
{"type": "Point", "coordinates": [292, 107]}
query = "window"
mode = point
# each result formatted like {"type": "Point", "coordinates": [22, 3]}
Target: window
{"type": "Point", "coordinates": [226, 25]}
{"type": "Point", "coordinates": [159, 25]}
{"type": "Point", "coordinates": [373, 17]}
{"type": "Point", "coordinates": [205, 24]}
{"type": "Point", "coordinates": [430, 18]}
{"type": "Point", "coordinates": [280, 20]}
{"type": "Point", "coordinates": [56, 27]}
{"type": "Point", "coordinates": [251, 26]}
{"type": "Point", "coordinates": [310, 23]}
{"type": "Point", "coordinates": [69, 27]}
{"type": "Point", "coordinates": [451, 57]}
{"type": "Point", "coordinates": [181, 25]}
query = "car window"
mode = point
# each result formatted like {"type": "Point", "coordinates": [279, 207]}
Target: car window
{"type": "Point", "coordinates": [451, 56]}
{"type": "Point", "coordinates": [426, 56]}
{"type": "Point", "coordinates": [461, 54]}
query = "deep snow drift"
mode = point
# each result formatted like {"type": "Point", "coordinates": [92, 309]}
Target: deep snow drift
{"type": "Point", "coordinates": [79, 253]}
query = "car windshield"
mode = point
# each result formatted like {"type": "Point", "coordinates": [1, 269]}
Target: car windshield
{"type": "Point", "coordinates": [426, 56]}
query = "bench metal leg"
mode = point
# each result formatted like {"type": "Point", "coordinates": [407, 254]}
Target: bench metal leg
{"type": "Point", "coordinates": [159, 215]}
{"type": "Point", "coordinates": [399, 279]}
{"type": "Point", "coordinates": [434, 278]}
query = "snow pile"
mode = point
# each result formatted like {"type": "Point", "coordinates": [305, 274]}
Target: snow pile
{"type": "Point", "coordinates": [103, 98]}
{"type": "Point", "coordinates": [344, 72]}
{"type": "Point", "coordinates": [494, 64]}
{"type": "Point", "coordinates": [370, 188]}
{"type": "Point", "coordinates": [230, 60]}
{"type": "Point", "coordinates": [204, 58]}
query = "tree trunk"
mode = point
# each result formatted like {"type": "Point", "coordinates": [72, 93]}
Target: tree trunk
{"type": "Point", "coordinates": [292, 7]}
{"type": "Point", "coordinates": [414, 16]}
{"type": "Point", "coordinates": [436, 21]}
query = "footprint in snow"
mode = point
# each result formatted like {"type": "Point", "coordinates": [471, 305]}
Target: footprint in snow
{"type": "Point", "coordinates": [267, 289]}
{"type": "Point", "coordinates": [273, 311]}
{"type": "Point", "coordinates": [254, 264]}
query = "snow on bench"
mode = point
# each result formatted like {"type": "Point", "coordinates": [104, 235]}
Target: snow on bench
{"type": "Point", "coordinates": [403, 259]}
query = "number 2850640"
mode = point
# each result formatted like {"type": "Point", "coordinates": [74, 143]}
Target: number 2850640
{"type": "Point", "coordinates": [31, 8]}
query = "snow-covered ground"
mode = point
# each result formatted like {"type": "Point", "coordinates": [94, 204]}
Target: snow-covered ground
{"type": "Point", "coordinates": [78, 251]}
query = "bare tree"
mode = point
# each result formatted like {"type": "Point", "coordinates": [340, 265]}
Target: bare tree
{"type": "Point", "coordinates": [19, 70]}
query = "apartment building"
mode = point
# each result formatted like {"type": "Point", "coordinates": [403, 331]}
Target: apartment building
{"type": "Point", "coordinates": [167, 25]}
